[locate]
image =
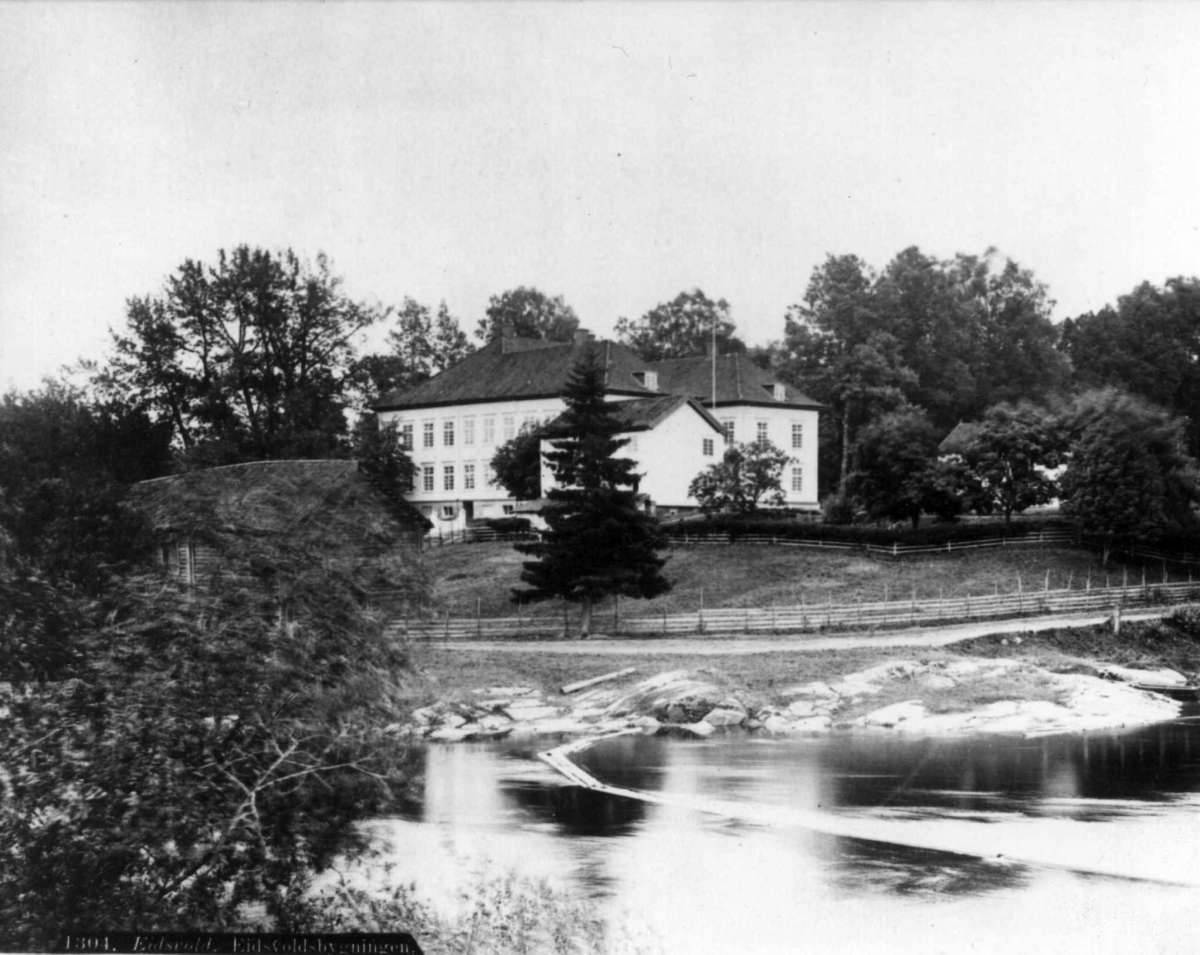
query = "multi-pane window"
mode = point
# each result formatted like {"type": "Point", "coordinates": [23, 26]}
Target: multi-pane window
{"type": "Point", "coordinates": [448, 433]}
{"type": "Point", "coordinates": [727, 426]}
{"type": "Point", "coordinates": [761, 431]}
{"type": "Point", "coordinates": [797, 479]}
{"type": "Point", "coordinates": [447, 477]}
{"type": "Point", "coordinates": [427, 477]}
{"type": "Point", "coordinates": [509, 427]}
{"type": "Point", "coordinates": [489, 430]}
{"type": "Point", "coordinates": [427, 434]}
{"type": "Point", "coordinates": [468, 431]}
{"type": "Point", "coordinates": [709, 447]}
{"type": "Point", "coordinates": [797, 434]}
{"type": "Point", "coordinates": [406, 437]}
{"type": "Point", "coordinates": [468, 477]}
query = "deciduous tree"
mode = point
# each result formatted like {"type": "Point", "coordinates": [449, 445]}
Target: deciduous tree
{"type": "Point", "coordinates": [747, 477]}
{"type": "Point", "coordinates": [517, 464]}
{"type": "Point", "coordinates": [896, 474]}
{"type": "Point", "coordinates": [1008, 455]}
{"type": "Point", "coordinates": [526, 312]}
{"type": "Point", "coordinates": [681, 328]}
{"type": "Point", "coordinates": [598, 541]}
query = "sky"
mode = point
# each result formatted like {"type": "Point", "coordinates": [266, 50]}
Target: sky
{"type": "Point", "coordinates": [612, 153]}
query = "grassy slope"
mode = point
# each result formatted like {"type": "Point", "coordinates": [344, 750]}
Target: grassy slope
{"type": "Point", "coordinates": [467, 575]}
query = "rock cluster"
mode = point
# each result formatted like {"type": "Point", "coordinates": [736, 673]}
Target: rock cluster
{"type": "Point", "coordinates": [699, 703]}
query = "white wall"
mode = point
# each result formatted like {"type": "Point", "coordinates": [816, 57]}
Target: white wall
{"type": "Point", "coordinates": [779, 423]}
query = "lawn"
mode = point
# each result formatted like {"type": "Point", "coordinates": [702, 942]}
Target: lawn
{"type": "Point", "coordinates": [480, 577]}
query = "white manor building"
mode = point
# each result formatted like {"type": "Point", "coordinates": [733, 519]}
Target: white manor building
{"type": "Point", "coordinates": [677, 423]}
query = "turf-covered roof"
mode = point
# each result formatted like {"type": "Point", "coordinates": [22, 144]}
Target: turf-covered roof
{"type": "Point", "coordinates": [515, 368]}
{"type": "Point", "coordinates": [739, 381]}
{"type": "Point", "coordinates": [268, 497]}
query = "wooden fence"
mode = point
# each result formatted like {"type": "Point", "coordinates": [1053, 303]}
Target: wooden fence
{"type": "Point", "coordinates": [1042, 538]}
{"type": "Point", "coordinates": [807, 618]}
{"type": "Point", "coordinates": [473, 535]}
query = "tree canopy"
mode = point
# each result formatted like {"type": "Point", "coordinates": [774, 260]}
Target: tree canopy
{"type": "Point", "coordinates": [598, 541]}
{"type": "Point", "coordinates": [517, 464]}
{"type": "Point", "coordinates": [896, 473]}
{"type": "Point", "coordinates": [1008, 456]}
{"type": "Point", "coordinates": [248, 358]}
{"type": "Point", "coordinates": [422, 345]}
{"type": "Point", "coordinates": [526, 312]}
{"type": "Point", "coordinates": [747, 476]}
{"type": "Point", "coordinates": [680, 328]}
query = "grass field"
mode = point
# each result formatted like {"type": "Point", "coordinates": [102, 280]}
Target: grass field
{"type": "Point", "coordinates": [471, 577]}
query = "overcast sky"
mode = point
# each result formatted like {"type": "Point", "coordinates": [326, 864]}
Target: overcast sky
{"type": "Point", "coordinates": [611, 153]}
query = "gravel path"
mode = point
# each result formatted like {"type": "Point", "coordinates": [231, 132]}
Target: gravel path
{"type": "Point", "coordinates": [714, 644]}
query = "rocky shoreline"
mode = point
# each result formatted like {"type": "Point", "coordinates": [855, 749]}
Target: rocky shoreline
{"type": "Point", "coordinates": [953, 696]}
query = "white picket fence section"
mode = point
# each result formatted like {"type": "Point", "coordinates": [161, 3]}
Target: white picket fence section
{"type": "Point", "coordinates": [807, 618]}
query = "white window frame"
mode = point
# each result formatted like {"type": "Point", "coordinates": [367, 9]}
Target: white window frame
{"type": "Point", "coordinates": [729, 426]}
{"type": "Point", "coordinates": [709, 447]}
{"type": "Point", "coordinates": [762, 431]}
{"type": "Point", "coordinates": [489, 430]}
{"type": "Point", "coordinates": [448, 433]}
{"type": "Point", "coordinates": [797, 480]}
{"type": "Point", "coordinates": [427, 478]}
{"type": "Point", "coordinates": [797, 434]}
{"type": "Point", "coordinates": [427, 434]}
{"type": "Point", "coordinates": [447, 477]}
{"type": "Point", "coordinates": [469, 476]}
{"type": "Point", "coordinates": [406, 436]}
{"type": "Point", "coordinates": [510, 428]}
{"type": "Point", "coordinates": [468, 430]}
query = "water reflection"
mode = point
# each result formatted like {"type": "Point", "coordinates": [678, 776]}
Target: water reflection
{"type": "Point", "coordinates": [700, 879]}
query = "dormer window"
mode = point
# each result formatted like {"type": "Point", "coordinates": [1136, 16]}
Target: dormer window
{"type": "Point", "coordinates": [647, 379]}
{"type": "Point", "coordinates": [780, 392]}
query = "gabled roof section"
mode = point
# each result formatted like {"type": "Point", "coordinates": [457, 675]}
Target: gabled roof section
{"type": "Point", "coordinates": [514, 368]}
{"type": "Point", "coordinates": [644, 414]}
{"type": "Point", "coordinates": [739, 381]}
{"type": "Point", "coordinates": [959, 438]}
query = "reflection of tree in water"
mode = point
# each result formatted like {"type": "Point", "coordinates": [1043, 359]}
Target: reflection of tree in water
{"type": "Point", "coordinates": [1038, 776]}
{"type": "Point", "coordinates": [861, 866]}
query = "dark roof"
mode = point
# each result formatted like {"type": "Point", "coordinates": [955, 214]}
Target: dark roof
{"type": "Point", "coordinates": [519, 368]}
{"type": "Point", "coordinates": [739, 381]}
{"type": "Point", "coordinates": [267, 497]}
{"type": "Point", "coordinates": [642, 414]}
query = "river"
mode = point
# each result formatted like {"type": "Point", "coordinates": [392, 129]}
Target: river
{"type": "Point", "coordinates": [1031, 823]}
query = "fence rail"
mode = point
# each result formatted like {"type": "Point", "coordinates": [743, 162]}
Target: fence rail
{"type": "Point", "coordinates": [804, 618]}
{"type": "Point", "coordinates": [882, 550]}
{"type": "Point", "coordinates": [474, 535]}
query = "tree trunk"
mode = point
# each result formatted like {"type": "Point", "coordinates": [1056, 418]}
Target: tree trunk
{"type": "Point", "coordinates": [585, 618]}
{"type": "Point", "coordinates": [845, 465]}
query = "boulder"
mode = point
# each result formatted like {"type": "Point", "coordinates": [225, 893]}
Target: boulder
{"type": "Point", "coordinates": [725, 716]}
{"type": "Point", "coordinates": [888, 716]}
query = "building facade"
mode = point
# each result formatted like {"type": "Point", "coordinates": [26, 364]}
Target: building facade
{"type": "Point", "coordinates": [452, 425]}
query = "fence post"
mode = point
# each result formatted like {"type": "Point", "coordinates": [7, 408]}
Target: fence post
{"type": "Point", "coordinates": [895, 548]}
{"type": "Point", "coordinates": [803, 614]}
{"type": "Point", "coordinates": [446, 635]}
{"type": "Point", "coordinates": [478, 619]}
{"type": "Point", "coordinates": [774, 626]}
{"type": "Point", "coordinates": [616, 613]}
{"type": "Point", "coordinates": [664, 615]}
{"type": "Point", "coordinates": [1047, 587]}
{"type": "Point", "coordinates": [700, 616]}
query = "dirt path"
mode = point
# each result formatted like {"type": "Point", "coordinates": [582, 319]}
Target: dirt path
{"type": "Point", "coordinates": [713, 644]}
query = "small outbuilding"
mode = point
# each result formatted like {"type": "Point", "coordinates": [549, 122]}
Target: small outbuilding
{"type": "Point", "coordinates": [201, 518]}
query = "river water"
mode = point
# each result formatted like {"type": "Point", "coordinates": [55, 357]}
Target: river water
{"type": "Point", "coordinates": [1066, 843]}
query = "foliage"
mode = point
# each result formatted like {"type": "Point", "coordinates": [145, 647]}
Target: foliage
{"type": "Point", "coordinates": [748, 475]}
{"type": "Point", "coordinates": [195, 754]}
{"type": "Point", "coordinates": [422, 346]}
{"type": "Point", "coordinates": [509, 525]}
{"type": "Point", "coordinates": [64, 467]}
{"type": "Point", "coordinates": [1006, 458]}
{"type": "Point", "coordinates": [247, 359]}
{"type": "Point", "coordinates": [517, 464]}
{"type": "Point", "coordinates": [380, 457]}
{"type": "Point", "coordinates": [1149, 344]}
{"type": "Point", "coordinates": [526, 312]}
{"type": "Point", "coordinates": [1130, 478]}
{"type": "Point", "coordinates": [680, 328]}
{"type": "Point", "coordinates": [896, 474]}
{"type": "Point", "coordinates": [598, 540]}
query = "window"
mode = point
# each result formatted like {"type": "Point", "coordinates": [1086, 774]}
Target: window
{"type": "Point", "coordinates": [508, 508]}
{"type": "Point", "coordinates": [727, 425]}
{"type": "Point", "coordinates": [427, 434]}
{"type": "Point", "coordinates": [447, 477]}
{"type": "Point", "coordinates": [448, 433]}
{"type": "Point", "coordinates": [448, 512]}
{"type": "Point", "coordinates": [709, 447]}
{"type": "Point", "coordinates": [780, 393]}
{"type": "Point", "coordinates": [648, 379]}
{"type": "Point", "coordinates": [509, 427]}
{"type": "Point", "coordinates": [408, 480]}
{"type": "Point", "coordinates": [468, 477]}
{"type": "Point", "coordinates": [489, 430]}
{"type": "Point", "coordinates": [406, 437]}
{"type": "Point", "coordinates": [761, 431]}
{"type": "Point", "coordinates": [468, 431]}
{"type": "Point", "coordinates": [427, 477]}
{"type": "Point", "coordinates": [797, 479]}
{"type": "Point", "coordinates": [797, 434]}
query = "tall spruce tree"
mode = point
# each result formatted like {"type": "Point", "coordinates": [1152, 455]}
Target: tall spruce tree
{"type": "Point", "coordinates": [598, 541]}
